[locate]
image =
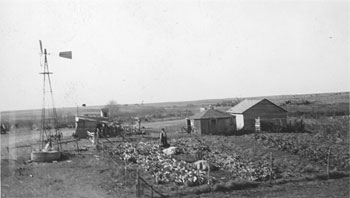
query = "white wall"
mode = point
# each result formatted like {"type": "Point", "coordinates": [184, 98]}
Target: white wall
{"type": "Point", "coordinates": [239, 121]}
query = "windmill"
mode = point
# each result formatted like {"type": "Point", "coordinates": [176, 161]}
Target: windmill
{"type": "Point", "coordinates": [47, 137]}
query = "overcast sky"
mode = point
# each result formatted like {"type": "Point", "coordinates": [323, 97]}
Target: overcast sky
{"type": "Point", "coordinates": [153, 51]}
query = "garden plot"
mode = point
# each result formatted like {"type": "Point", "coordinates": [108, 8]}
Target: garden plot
{"type": "Point", "coordinates": [310, 147]}
{"type": "Point", "coordinates": [284, 164]}
{"type": "Point", "coordinates": [229, 158]}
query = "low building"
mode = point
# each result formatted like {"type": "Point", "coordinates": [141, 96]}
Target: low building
{"type": "Point", "coordinates": [89, 120]}
{"type": "Point", "coordinates": [84, 124]}
{"type": "Point", "coordinates": [212, 122]}
{"type": "Point", "coordinates": [248, 112]}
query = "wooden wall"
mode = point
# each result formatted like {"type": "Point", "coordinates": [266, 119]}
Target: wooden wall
{"type": "Point", "coordinates": [266, 111]}
{"type": "Point", "coordinates": [215, 126]}
{"type": "Point", "coordinates": [83, 126]}
{"type": "Point", "coordinates": [197, 126]}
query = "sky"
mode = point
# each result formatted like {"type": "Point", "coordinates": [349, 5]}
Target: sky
{"type": "Point", "coordinates": [158, 51]}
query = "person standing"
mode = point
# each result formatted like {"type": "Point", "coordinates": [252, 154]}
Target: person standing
{"type": "Point", "coordinates": [163, 138]}
{"type": "Point", "coordinates": [97, 135]}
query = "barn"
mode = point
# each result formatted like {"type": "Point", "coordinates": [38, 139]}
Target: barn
{"type": "Point", "coordinates": [212, 122]}
{"type": "Point", "coordinates": [248, 112]}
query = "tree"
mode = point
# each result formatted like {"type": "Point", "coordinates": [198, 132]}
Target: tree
{"type": "Point", "coordinates": [113, 110]}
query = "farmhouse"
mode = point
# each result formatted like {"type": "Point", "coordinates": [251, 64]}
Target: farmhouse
{"type": "Point", "coordinates": [263, 111]}
{"type": "Point", "coordinates": [212, 122]}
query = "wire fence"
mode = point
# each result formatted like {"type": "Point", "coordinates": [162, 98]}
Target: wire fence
{"type": "Point", "coordinates": [142, 187]}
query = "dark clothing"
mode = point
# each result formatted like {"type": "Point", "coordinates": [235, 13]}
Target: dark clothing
{"type": "Point", "coordinates": [163, 139]}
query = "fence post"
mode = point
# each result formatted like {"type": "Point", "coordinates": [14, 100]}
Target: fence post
{"type": "Point", "coordinates": [151, 191]}
{"type": "Point", "coordinates": [208, 174]}
{"type": "Point", "coordinates": [102, 148]}
{"type": "Point", "coordinates": [271, 165]}
{"type": "Point", "coordinates": [125, 166]}
{"type": "Point", "coordinates": [328, 161]}
{"type": "Point", "coordinates": [137, 184]}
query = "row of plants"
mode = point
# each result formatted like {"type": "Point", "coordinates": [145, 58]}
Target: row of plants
{"type": "Point", "coordinates": [309, 146]}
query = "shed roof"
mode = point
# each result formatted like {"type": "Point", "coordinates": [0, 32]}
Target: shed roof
{"type": "Point", "coordinates": [92, 112]}
{"type": "Point", "coordinates": [92, 119]}
{"type": "Point", "coordinates": [210, 113]}
{"type": "Point", "coordinates": [247, 104]}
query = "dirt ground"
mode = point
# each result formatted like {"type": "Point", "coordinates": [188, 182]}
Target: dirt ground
{"type": "Point", "coordinates": [324, 189]}
{"type": "Point", "coordinates": [89, 174]}
{"type": "Point", "coordinates": [75, 175]}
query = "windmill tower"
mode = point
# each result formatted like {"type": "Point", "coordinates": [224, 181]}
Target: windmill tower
{"type": "Point", "coordinates": [49, 117]}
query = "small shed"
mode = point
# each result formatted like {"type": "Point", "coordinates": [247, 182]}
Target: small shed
{"type": "Point", "coordinates": [212, 122]}
{"type": "Point", "coordinates": [84, 124]}
{"type": "Point", "coordinates": [248, 112]}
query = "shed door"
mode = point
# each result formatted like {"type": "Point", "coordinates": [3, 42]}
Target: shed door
{"type": "Point", "coordinates": [239, 121]}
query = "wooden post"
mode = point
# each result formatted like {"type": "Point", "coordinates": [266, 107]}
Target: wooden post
{"type": "Point", "coordinates": [271, 166]}
{"type": "Point", "coordinates": [137, 185]}
{"type": "Point", "coordinates": [151, 191]}
{"type": "Point", "coordinates": [141, 189]}
{"type": "Point", "coordinates": [102, 148]}
{"type": "Point", "coordinates": [208, 174]}
{"type": "Point", "coordinates": [328, 160]}
{"type": "Point", "coordinates": [138, 177]}
{"type": "Point", "coordinates": [125, 167]}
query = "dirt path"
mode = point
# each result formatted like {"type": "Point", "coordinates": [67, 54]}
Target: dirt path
{"type": "Point", "coordinates": [76, 176]}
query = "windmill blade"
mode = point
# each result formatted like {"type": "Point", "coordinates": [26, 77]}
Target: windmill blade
{"type": "Point", "coordinates": [41, 47]}
{"type": "Point", "coordinates": [67, 54]}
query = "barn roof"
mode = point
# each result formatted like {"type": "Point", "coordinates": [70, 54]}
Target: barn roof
{"type": "Point", "coordinates": [247, 104]}
{"type": "Point", "coordinates": [210, 113]}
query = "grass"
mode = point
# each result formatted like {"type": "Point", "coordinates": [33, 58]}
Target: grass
{"type": "Point", "coordinates": [219, 187]}
{"type": "Point", "coordinates": [331, 128]}
{"type": "Point", "coordinates": [328, 104]}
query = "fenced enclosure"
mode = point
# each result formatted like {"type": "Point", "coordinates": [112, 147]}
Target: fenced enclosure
{"type": "Point", "coordinates": [142, 187]}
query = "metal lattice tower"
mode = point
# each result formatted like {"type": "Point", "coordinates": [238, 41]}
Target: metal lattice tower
{"type": "Point", "coordinates": [46, 134]}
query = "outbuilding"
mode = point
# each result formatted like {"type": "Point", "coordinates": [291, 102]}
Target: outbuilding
{"type": "Point", "coordinates": [84, 124]}
{"type": "Point", "coordinates": [212, 122]}
{"type": "Point", "coordinates": [88, 120]}
{"type": "Point", "coordinates": [252, 113]}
